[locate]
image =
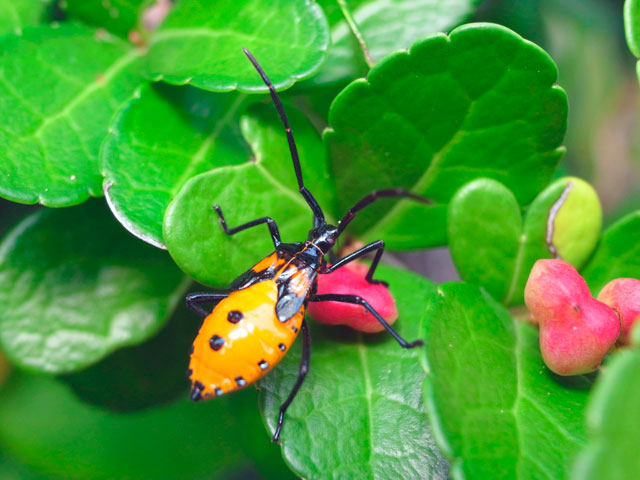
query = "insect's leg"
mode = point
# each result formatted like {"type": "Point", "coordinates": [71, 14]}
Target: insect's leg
{"type": "Point", "coordinates": [273, 227]}
{"type": "Point", "coordinates": [335, 297]}
{"type": "Point", "coordinates": [194, 300]}
{"type": "Point", "coordinates": [302, 373]}
{"type": "Point", "coordinates": [378, 246]}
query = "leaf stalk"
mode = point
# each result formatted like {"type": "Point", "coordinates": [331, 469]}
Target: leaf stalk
{"type": "Point", "coordinates": [356, 32]}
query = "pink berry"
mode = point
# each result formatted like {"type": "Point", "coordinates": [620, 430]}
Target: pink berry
{"type": "Point", "coordinates": [623, 295]}
{"type": "Point", "coordinates": [350, 280]}
{"type": "Point", "coordinates": [576, 330]}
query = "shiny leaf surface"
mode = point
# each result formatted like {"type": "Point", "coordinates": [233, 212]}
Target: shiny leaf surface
{"type": "Point", "coordinates": [58, 90]}
{"type": "Point", "coordinates": [479, 102]}
{"type": "Point", "coordinates": [614, 422]}
{"type": "Point", "coordinates": [359, 413]}
{"type": "Point", "coordinates": [157, 142]}
{"type": "Point", "coordinates": [201, 42]}
{"type": "Point", "coordinates": [497, 411]}
{"type": "Point", "coordinates": [484, 228]}
{"type": "Point", "coordinates": [74, 286]}
{"type": "Point", "coordinates": [385, 26]}
{"type": "Point", "coordinates": [264, 186]}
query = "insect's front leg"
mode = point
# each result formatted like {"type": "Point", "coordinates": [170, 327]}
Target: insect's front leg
{"type": "Point", "coordinates": [336, 297]}
{"type": "Point", "coordinates": [378, 247]}
{"type": "Point", "coordinates": [271, 223]}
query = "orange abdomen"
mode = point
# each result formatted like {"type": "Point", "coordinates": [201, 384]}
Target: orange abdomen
{"type": "Point", "coordinates": [240, 341]}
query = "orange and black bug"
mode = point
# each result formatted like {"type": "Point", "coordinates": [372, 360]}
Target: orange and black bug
{"type": "Point", "coordinates": [257, 319]}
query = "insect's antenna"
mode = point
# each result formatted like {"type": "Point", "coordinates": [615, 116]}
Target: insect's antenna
{"type": "Point", "coordinates": [318, 216]}
{"type": "Point", "coordinates": [372, 197]}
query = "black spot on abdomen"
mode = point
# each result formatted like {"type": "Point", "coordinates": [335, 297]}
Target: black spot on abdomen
{"type": "Point", "coordinates": [216, 342]}
{"type": "Point", "coordinates": [234, 316]}
{"type": "Point", "coordinates": [196, 391]}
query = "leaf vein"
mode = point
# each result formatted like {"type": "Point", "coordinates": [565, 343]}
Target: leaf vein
{"type": "Point", "coordinates": [116, 67]}
{"type": "Point", "coordinates": [368, 394]}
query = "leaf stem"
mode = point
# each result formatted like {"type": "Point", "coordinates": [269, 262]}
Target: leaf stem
{"type": "Point", "coordinates": [356, 32]}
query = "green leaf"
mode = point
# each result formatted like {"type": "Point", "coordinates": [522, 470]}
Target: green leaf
{"type": "Point", "coordinates": [617, 255]}
{"type": "Point", "coordinates": [477, 103]}
{"type": "Point", "coordinates": [484, 227]}
{"type": "Point", "coordinates": [613, 420]}
{"type": "Point", "coordinates": [496, 410]}
{"type": "Point", "coordinates": [265, 186]}
{"type": "Point", "coordinates": [385, 26]}
{"type": "Point", "coordinates": [74, 286]}
{"type": "Point", "coordinates": [45, 426]}
{"type": "Point", "coordinates": [359, 413]}
{"type": "Point", "coordinates": [632, 27]}
{"type": "Point", "coordinates": [201, 41]}
{"type": "Point", "coordinates": [491, 247]}
{"type": "Point", "coordinates": [263, 130]}
{"type": "Point", "coordinates": [142, 376]}
{"type": "Point", "coordinates": [117, 16]}
{"type": "Point", "coordinates": [160, 139]}
{"type": "Point", "coordinates": [17, 14]}
{"type": "Point", "coordinates": [58, 90]}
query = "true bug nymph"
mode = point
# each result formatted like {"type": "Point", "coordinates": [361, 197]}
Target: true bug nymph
{"type": "Point", "coordinates": [258, 317]}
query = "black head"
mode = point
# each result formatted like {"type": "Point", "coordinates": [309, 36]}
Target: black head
{"type": "Point", "coordinates": [324, 237]}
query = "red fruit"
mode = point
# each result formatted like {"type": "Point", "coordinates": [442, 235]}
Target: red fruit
{"type": "Point", "coordinates": [576, 330]}
{"type": "Point", "coordinates": [623, 295]}
{"type": "Point", "coordinates": [350, 280]}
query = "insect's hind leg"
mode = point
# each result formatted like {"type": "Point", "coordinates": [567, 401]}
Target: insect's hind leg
{"type": "Point", "coordinates": [335, 297]}
{"type": "Point", "coordinates": [378, 247]}
{"type": "Point", "coordinates": [194, 300]}
{"type": "Point", "coordinates": [302, 373]}
{"type": "Point", "coordinates": [271, 223]}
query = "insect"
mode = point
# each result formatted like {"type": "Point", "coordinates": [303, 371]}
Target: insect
{"type": "Point", "coordinates": [255, 321]}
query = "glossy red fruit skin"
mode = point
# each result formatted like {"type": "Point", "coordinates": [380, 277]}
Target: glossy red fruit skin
{"type": "Point", "coordinates": [623, 295]}
{"type": "Point", "coordinates": [576, 330]}
{"type": "Point", "coordinates": [350, 280]}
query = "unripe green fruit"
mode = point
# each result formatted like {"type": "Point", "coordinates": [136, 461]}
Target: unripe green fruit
{"type": "Point", "coordinates": [576, 330]}
{"type": "Point", "coordinates": [578, 223]}
{"type": "Point", "coordinates": [573, 220]}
